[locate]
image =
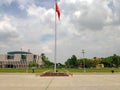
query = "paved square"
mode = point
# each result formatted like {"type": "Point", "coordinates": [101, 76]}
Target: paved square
{"type": "Point", "coordinates": [90, 81]}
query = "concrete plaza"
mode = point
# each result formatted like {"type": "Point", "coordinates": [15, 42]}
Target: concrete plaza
{"type": "Point", "coordinates": [88, 81]}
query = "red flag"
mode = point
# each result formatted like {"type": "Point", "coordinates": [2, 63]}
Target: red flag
{"type": "Point", "coordinates": [58, 10]}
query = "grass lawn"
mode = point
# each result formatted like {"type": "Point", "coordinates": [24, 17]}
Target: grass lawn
{"type": "Point", "coordinates": [11, 70]}
{"type": "Point", "coordinates": [94, 70]}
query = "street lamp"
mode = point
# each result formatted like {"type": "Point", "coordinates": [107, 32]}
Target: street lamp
{"type": "Point", "coordinates": [83, 52]}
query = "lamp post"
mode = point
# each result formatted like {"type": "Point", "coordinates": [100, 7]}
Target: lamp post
{"type": "Point", "coordinates": [83, 52]}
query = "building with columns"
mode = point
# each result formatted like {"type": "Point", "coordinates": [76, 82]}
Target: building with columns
{"type": "Point", "coordinates": [19, 59]}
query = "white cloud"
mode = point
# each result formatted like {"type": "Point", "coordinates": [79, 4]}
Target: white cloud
{"type": "Point", "coordinates": [91, 29]}
{"type": "Point", "coordinates": [35, 11]}
{"type": "Point", "coordinates": [84, 24]}
{"type": "Point", "coordinates": [6, 1]}
{"type": "Point", "coordinates": [5, 24]}
{"type": "Point", "coordinates": [8, 34]}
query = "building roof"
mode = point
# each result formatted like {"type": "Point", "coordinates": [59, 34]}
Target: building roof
{"type": "Point", "coordinates": [18, 52]}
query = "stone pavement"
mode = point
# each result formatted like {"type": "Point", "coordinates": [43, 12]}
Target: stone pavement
{"type": "Point", "coordinates": [89, 81]}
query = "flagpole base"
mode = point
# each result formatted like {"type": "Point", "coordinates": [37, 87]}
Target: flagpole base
{"type": "Point", "coordinates": [54, 74]}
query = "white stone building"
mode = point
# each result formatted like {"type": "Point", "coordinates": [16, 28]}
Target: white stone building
{"type": "Point", "coordinates": [19, 59]}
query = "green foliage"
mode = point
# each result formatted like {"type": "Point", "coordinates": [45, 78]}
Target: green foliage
{"type": "Point", "coordinates": [111, 61]}
{"type": "Point", "coordinates": [115, 60]}
{"type": "Point", "coordinates": [94, 63]}
{"type": "Point", "coordinates": [46, 62]}
{"type": "Point", "coordinates": [74, 70]}
{"type": "Point", "coordinates": [59, 65]}
{"type": "Point", "coordinates": [107, 62]}
{"type": "Point", "coordinates": [23, 70]}
{"type": "Point", "coordinates": [33, 64]}
{"type": "Point", "coordinates": [72, 62]}
{"type": "Point", "coordinates": [88, 63]}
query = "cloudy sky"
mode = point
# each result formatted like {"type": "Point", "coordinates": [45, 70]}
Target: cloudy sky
{"type": "Point", "coordinates": [92, 25]}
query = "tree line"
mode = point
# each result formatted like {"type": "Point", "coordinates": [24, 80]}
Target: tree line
{"type": "Point", "coordinates": [111, 61]}
{"type": "Point", "coordinates": [74, 62]}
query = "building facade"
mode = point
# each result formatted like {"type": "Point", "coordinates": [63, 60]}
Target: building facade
{"type": "Point", "coordinates": [19, 59]}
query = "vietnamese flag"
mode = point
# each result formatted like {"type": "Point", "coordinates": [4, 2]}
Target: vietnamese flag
{"type": "Point", "coordinates": [58, 10]}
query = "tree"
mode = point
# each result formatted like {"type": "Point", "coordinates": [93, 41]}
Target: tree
{"type": "Point", "coordinates": [94, 63]}
{"type": "Point", "coordinates": [115, 60]}
{"type": "Point", "coordinates": [59, 65]}
{"type": "Point", "coordinates": [72, 62]}
{"type": "Point", "coordinates": [33, 64]}
{"type": "Point", "coordinates": [106, 62]}
{"type": "Point", "coordinates": [111, 61]}
{"type": "Point", "coordinates": [46, 62]}
{"type": "Point", "coordinates": [84, 61]}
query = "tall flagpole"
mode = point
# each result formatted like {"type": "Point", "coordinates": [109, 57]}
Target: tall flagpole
{"type": "Point", "coordinates": [55, 52]}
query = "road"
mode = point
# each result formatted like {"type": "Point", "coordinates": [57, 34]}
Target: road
{"type": "Point", "coordinates": [91, 81]}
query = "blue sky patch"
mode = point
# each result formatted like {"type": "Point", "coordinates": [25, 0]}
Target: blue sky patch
{"type": "Point", "coordinates": [111, 6]}
{"type": "Point", "coordinates": [45, 3]}
{"type": "Point", "coordinates": [46, 37]}
{"type": "Point", "coordinates": [12, 9]}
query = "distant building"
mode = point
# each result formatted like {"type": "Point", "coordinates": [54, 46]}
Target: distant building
{"type": "Point", "coordinates": [100, 66]}
{"type": "Point", "coordinates": [97, 59]}
{"type": "Point", "coordinates": [18, 59]}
